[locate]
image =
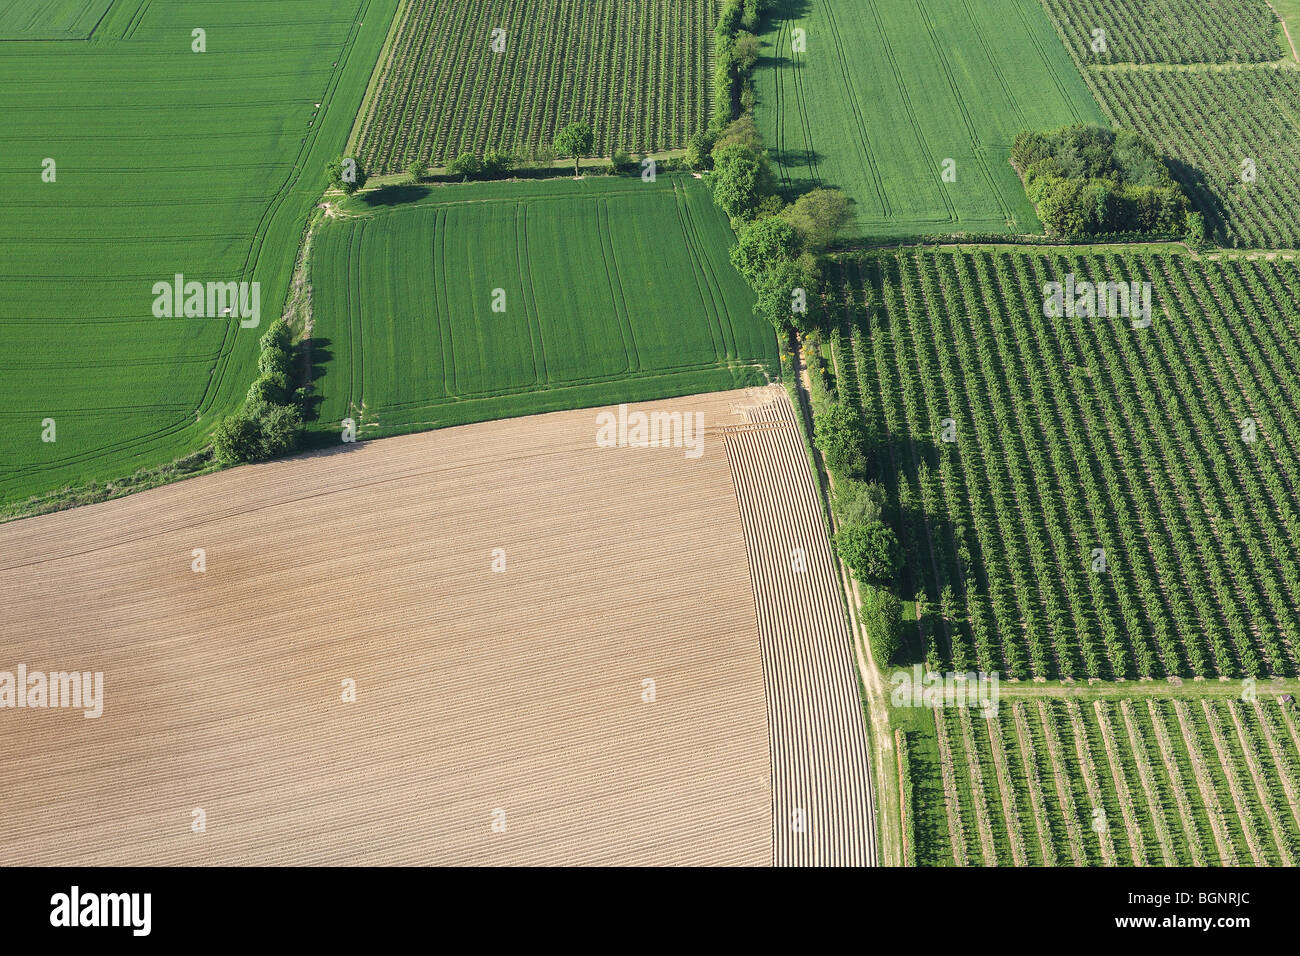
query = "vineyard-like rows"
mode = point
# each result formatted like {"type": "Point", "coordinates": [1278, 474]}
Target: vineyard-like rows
{"type": "Point", "coordinates": [1211, 123]}
{"type": "Point", "coordinates": [1099, 511]}
{"type": "Point", "coordinates": [822, 807]}
{"type": "Point", "coordinates": [487, 300]}
{"type": "Point", "coordinates": [637, 71]}
{"type": "Point", "coordinates": [1168, 31]}
{"type": "Point", "coordinates": [1130, 782]}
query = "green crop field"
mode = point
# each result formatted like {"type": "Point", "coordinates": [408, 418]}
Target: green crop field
{"type": "Point", "coordinates": [50, 19]}
{"type": "Point", "coordinates": [1166, 451]}
{"type": "Point", "coordinates": [610, 290]}
{"type": "Point", "coordinates": [166, 161]}
{"type": "Point", "coordinates": [637, 70]}
{"type": "Point", "coordinates": [1127, 782]}
{"type": "Point", "coordinates": [867, 112]}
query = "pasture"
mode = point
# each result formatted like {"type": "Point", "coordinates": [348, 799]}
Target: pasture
{"type": "Point", "coordinates": [165, 161]}
{"type": "Point", "coordinates": [474, 75]}
{"type": "Point", "coordinates": [469, 302]}
{"type": "Point", "coordinates": [864, 110]}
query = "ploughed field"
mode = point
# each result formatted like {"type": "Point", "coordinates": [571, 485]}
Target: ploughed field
{"type": "Point", "coordinates": [439, 306]}
{"type": "Point", "coordinates": [553, 633]}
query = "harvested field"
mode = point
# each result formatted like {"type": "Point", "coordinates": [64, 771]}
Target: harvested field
{"type": "Point", "coordinates": [519, 691]}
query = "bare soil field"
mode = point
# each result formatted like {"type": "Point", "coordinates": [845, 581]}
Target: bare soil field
{"type": "Point", "coordinates": [500, 717]}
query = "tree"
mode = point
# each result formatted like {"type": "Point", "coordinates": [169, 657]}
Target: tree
{"type": "Point", "coordinates": [745, 51]}
{"type": "Point", "coordinates": [346, 174]}
{"type": "Point", "coordinates": [871, 550]}
{"type": "Point", "coordinates": [818, 217]}
{"type": "Point", "coordinates": [786, 296]}
{"type": "Point", "coordinates": [415, 171]}
{"type": "Point", "coordinates": [274, 361]}
{"type": "Point", "coordinates": [467, 165]}
{"type": "Point", "coordinates": [576, 140]}
{"type": "Point", "coordinates": [736, 177]}
{"type": "Point", "coordinates": [882, 615]}
{"type": "Point", "coordinates": [281, 429]}
{"type": "Point", "coordinates": [698, 152]}
{"type": "Point", "coordinates": [271, 389]}
{"type": "Point", "coordinates": [841, 435]}
{"type": "Point", "coordinates": [276, 336]}
{"type": "Point", "coordinates": [859, 502]}
{"type": "Point", "coordinates": [237, 439]}
{"type": "Point", "coordinates": [762, 244]}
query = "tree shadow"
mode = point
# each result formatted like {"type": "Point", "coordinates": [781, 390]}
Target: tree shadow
{"type": "Point", "coordinates": [1203, 199]}
{"type": "Point", "coordinates": [316, 351]}
{"type": "Point", "coordinates": [397, 195]}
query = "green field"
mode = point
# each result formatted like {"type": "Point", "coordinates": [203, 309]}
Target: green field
{"type": "Point", "coordinates": [637, 70]}
{"type": "Point", "coordinates": [887, 91]}
{"type": "Point", "coordinates": [614, 290]}
{"type": "Point", "coordinates": [168, 161]}
{"type": "Point", "coordinates": [51, 19]}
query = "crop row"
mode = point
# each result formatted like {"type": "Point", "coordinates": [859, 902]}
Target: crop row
{"type": "Point", "coordinates": [1134, 782]}
{"type": "Point", "coordinates": [1168, 31]}
{"type": "Point", "coordinates": [1113, 501]}
{"type": "Point", "coordinates": [636, 72]}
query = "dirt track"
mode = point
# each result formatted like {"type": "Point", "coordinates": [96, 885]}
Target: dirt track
{"type": "Point", "coordinates": [476, 691]}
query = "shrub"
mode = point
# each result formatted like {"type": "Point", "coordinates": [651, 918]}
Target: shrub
{"type": "Point", "coordinates": [871, 550]}
{"type": "Point", "coordinates": [276, 336]}
{"type": "Point", "coordinates": [818, 217]}
{"type": "Point", "coordinates": [699, 152]}
{"type": "Point", "coordinates": [859, 502]}
{"type": "Point", "coordinates": [347, 174]}
{"type": "Point", "coordinates": [497, 163]}
{"type": "Point", "coordinates": [882, 615]}
{"type": "Point", "coordinates": [842, 436]}
{"type": "Point", "coordinates": [736, 178]}
{"type": "Point", "coordinates": [467, 165]}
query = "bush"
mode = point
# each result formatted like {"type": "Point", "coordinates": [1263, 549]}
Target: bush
{"type": "Point", "coordinates": [842, 437]}
{"type": "Point", "coordinates": [271, 389]}
{"type": "Point", "coordinates": [819, 217]}
{"type": "Point", "coordinates": [882, 615]}
{"type": "Point", "coordinates": [467, 165]}
{"type": "Point", "coordinates": [699, 152]}
{"type": "Point", "coordinates": [622, 161]}
{"type": "Point", "coordinates": [497, 163]}
{"type": "Point", "coordinates": [871, 550]}
{"type": "Point", "coordinates": [859, 502]}
{"type": "Point", "coordinates": [415, 172]}
{"type": "Point", "coordinates": [736, 179]}
{"type": "Point", "coordinates": [274, 362]}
